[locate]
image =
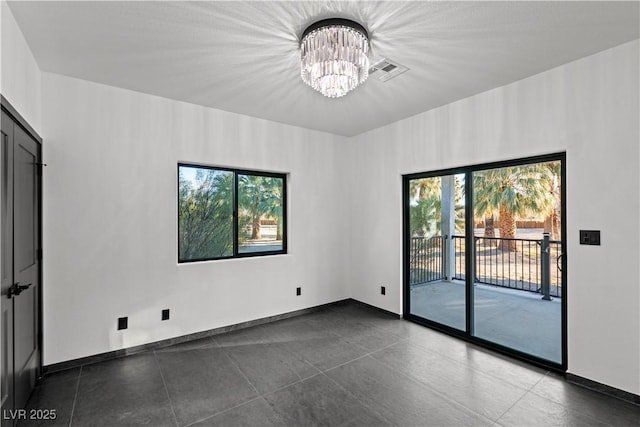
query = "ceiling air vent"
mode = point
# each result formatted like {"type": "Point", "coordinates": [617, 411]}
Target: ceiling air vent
{"type": "Point", "coordinates": [385, 69]}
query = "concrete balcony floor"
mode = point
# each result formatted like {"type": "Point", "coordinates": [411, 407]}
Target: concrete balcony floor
{"type": "Point", "coordinates": [520, 320]}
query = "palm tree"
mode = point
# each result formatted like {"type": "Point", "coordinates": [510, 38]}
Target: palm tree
{"type": "Point", "coordinates": [489, 230]}
{"type": "Point", "coordinates": [274, 204]}
{"type": "Point", "coordinates": [552, 220]}
{"type": "Point", "coordinates": [513, 192]}
{"type": "Point", "coordinates": [425, 205]}
{"type": "Point", "coordinates": [259, 196]}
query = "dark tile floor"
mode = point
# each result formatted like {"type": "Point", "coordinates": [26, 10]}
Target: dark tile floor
{"type": "Point", "coordinates": [343, 366]}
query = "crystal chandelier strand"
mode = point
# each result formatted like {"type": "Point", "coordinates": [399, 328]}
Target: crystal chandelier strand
{"type": "Point", "coordinates": [334, 58]}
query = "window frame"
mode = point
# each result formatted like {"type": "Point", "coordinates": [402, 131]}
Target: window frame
{"type": "Point", "coordinates": [235, 215]}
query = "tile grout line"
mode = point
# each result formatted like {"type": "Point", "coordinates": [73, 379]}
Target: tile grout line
{"type": "Point", "coordinates": [258, 395]}
{"type": "Point", "coordinates": [75, 397]}
{"type": "Point", "coordinates": [319, 371]}
{"type": "Point", "coordinates": [358, 399]}
{"type": "Point", "coordinates": [301, 356]}
{"type": "Point", "coordinates": [521, 397]}
{"type": "Point", "coordinates": [435, 390]}
{"type": "Point", "coordinates": [292, 384]}
{"type": "Point", "coordinates": [223, 411]}
{"type": "Point", "coordinates": [531, 391]}
{"type": "Point", "coordinates": [478, 370]}
{"type": "Point", "coordinates": [361, 357]}
{"type": "Point", "coordinates": [233, 362]}
{"type": "Point", "coordinates": [324, 373]}
{"type": "Point", "coordinates": [166, 389]}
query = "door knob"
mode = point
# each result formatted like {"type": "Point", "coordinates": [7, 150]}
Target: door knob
{"type": "Point", "coordinates": [17, 289]}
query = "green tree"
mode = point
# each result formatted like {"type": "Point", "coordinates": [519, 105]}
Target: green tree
{"type": "Point", "coordinates": [259, 197]}
{"type": "Point", "coordinates": [205, 215]}
{"type": "Point", "coordinates": [513, 192]}
{"type": "Point", "coordinates": [552, 221]}
{"type": "Point", "coordinates": [426, 206]}
{"type": "Point", "coordinates": [275, 209]}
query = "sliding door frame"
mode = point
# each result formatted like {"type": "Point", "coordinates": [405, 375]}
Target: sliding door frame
{"type": "Point", "coordinates": [468, 334]}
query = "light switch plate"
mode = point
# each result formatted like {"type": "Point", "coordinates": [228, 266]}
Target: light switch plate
{"type": "Point", "coordinates": [590, 237]}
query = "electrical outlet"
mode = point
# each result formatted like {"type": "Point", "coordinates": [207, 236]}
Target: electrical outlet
{"type": "Point", "coordinates": [298, 291]}
{"type": "Point", "coordinates": [165, 314]}
{"type": "Point", "coordinates": [123, 323]}
{"type": "Point", "coordinates": [383, 290]}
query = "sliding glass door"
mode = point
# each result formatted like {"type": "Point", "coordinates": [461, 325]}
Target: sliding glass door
{"type": "Point", "coordinates": [436, 224]}
{"type": "Point", "coordinates": [518, 285]}
{"type": "Point", "coordinates": [483, 255]}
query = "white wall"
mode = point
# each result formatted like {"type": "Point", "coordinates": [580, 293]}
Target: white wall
{"type": "Point", "coordinates": [20, 79]}
{"type": "Point", "coordinates": [110, 192]}
{"type": "Point", "coordinates": [588, 108]}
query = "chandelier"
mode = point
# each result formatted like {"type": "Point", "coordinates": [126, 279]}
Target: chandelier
{"type": "Point", "coordinates": [334, 56]}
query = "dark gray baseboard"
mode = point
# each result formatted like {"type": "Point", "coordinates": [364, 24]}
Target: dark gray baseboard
{"type": "Point", "coordinates": [374, 308]}
{"type": "Point", "coordinates": [604, 389]}
{"type": "Point", "coordinates": [69, 364]}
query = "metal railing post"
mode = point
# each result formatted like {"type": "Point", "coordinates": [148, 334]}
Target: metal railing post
{"type": "Point", "coordinates": [545, 268]}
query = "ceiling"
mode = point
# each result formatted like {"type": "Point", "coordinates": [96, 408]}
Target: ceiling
{"type": "Point", "coordinates": [242, 56]}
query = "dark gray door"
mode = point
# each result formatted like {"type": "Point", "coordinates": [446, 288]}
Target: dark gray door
{"type": "Point", "coordinates": [20, 266]}
{"type": "Point", "coordinates": [6, 321]}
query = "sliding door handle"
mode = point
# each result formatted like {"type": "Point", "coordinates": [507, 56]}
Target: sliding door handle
{"type": "Point", "coordinates": [558, 262]}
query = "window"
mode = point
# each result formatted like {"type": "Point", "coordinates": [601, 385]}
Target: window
{"type": "Point", "coordinates": [225, 213]}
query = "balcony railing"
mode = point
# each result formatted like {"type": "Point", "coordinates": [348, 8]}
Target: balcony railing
{"type": "Point", "coordinates": [426, 259]}
{"type": "Point", "coordinates": [525, 264]}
